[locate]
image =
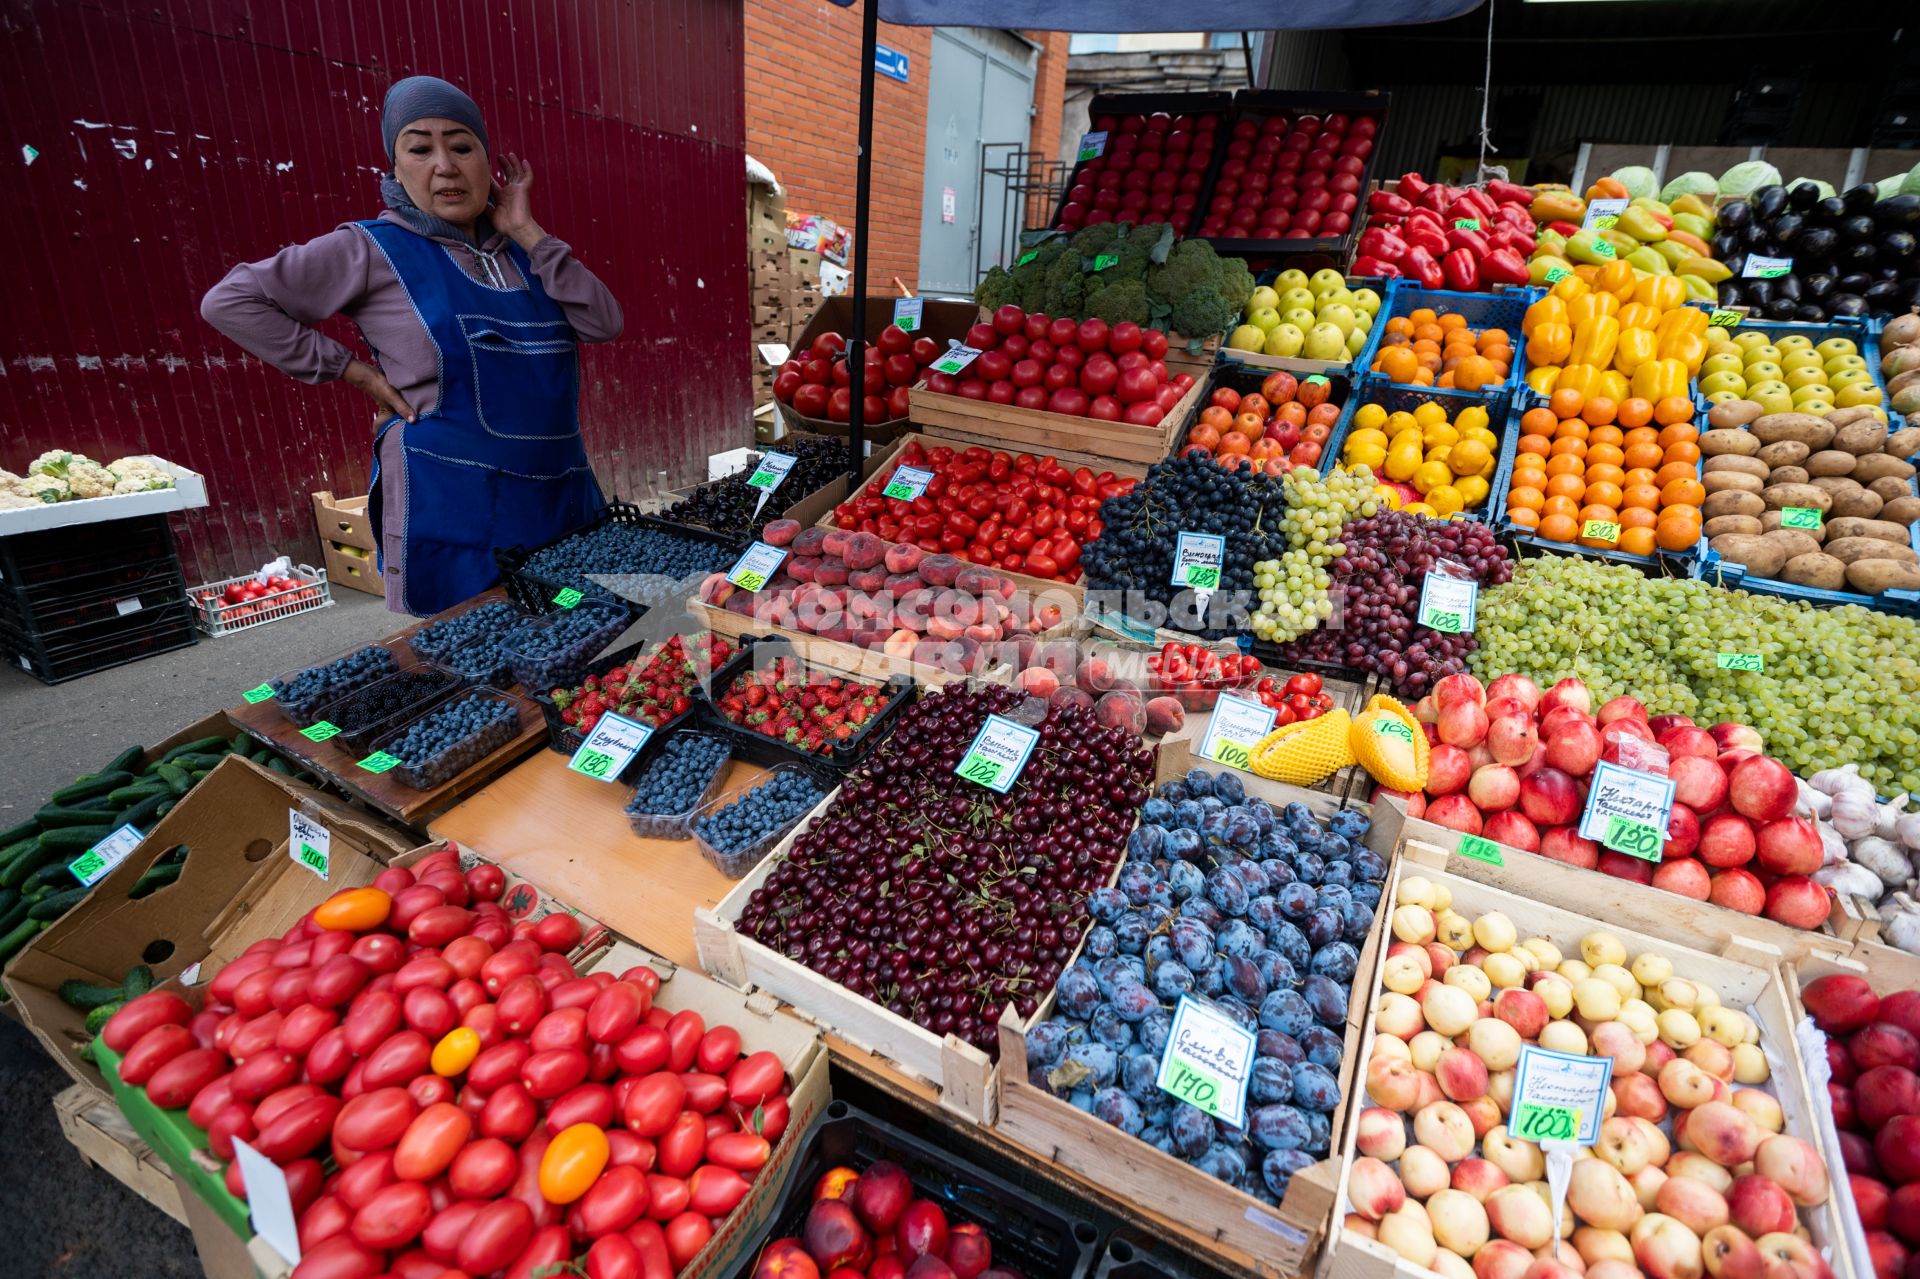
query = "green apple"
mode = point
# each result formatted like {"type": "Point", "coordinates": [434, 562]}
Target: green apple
{"type": "Point", "coordinates": [1723, 397]}
{"type": "Point", "coordinates": [1803, 376]}
{"type": "Point", "coordinates": [1339, 316]}
{"type": "Point", "coordinates": [1794, 342]}
{"type": "Point", "coordinates": [1725, 380]}
{"type": "Point", "coordinates": [1296, 300]}
{"type": "Point", "coordinates": [1813, 393]}
{"type": "Point", "coordinates": [1367, 300]}
{"type": "Point", "coordinates": [1262, 296]}
{"type": "Point", "coordinates": [1774, 397]}
{"type": "Point", "coordinates": [1837, 346]}
{"type": "Point", "coordinates": [1804, 358]}
{"type": "Point", "coordinates": [1342, 295]}
{"type": "Point", "coordinates": [1845, 363]}
{"type": "Point", "coordinates": [1849, 377]}
{"type": "Point", "coordinates": [1263, 318]}
{"type": "Point", "coordinates": [1326, 280]}
{"type": "Point", "coordinates": [1725, 362]}
{"type": "Point", "coordinates": [1325, 341]}
{"type": "Point", "coordinates": [1765, 371]}
{"type": "Point", "coordinates": [1285, 340]}
{"type": "Point", "coordinates": [1356, 342]}
{"type": "Point", "coordinates": [1292, 278]}
{"type": "Point", "coordinates": [1303, 318]}
{"type": "Point", "coordinates": [1247, 337]}
{"type": "Point", "coordinates": [1749, 340]}
{"type": "Point", "coordinates": [1764, 354]}
{"type": "Point", "coordinates": [1363, 321]}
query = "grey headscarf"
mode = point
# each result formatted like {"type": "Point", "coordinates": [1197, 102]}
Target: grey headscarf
{"type": "Point", "coordinates": [418, 98]}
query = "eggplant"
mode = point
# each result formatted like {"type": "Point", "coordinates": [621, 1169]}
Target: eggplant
{"type": "Point", "coordinates": [1860, 199]}
{"type": "Point", "coordinates": [1735, 262]}
{"type": "Point", "coordinates": [1735, 215]}
{"type": "Point", "coordinates": [1810, 312]}
{"type": "Point", "coordinates": [1803, 196]}
{"type": "Point", "coordinates": [1767, 202]}
{"type": "Point", "coordinates": [1758, 237]}
{"type": "Point", "coordinates": [1726, 243]}
{"type": "Point", "coordinates": [1911, 298]}
{"type": "Point", "coordinates": [1787, 228]}
{"type": "Point", "coordinates": [1882, 297]}
{"type": "Point", "coordinates": [1888, 271]}
{"type": "Point", "coordinates": [1781, 309]}
{"type": "Point", "coordinates": [1896, 245]}
{"type": "Point", "coordinates": [1859, 255]}
{"type": "Point", "coordinates": [1758, 292]}
{"type": "Point", "coordinates": [1899, 211]}
{"type": "Point", "coordinates": [1817, 284]}
{"type": "Point", "coordinates": [1789, 288]}
{"type": "Point", "coordinates": [1817, 242]}
{"type": "Point", "coordinates": [1728, 293]}
{"type": "Point", "coordinates": [1853, 282]}
{"type": "Point", "coordinates": [1829, 210]}
{"type": "Point", "coordinates": [1846, 304]}
{"type": "Point", "coordinates": [1859, 227]}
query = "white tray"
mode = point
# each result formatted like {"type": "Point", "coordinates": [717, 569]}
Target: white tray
{"type": "Point", "coordinates": [190, 490]}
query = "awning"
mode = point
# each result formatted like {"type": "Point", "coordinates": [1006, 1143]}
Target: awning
{"type": "Point", "coordinates": [1193, 15]}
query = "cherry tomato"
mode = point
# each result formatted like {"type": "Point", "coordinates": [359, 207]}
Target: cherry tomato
{"type": "Point", "coordinates": [455, 1051]}
{"type": "Point", "coordinates": [572, 1162]}
{"type": "Point", "coordinates": [431, 1141]}
{"type": "Point", "coordinates": [1308, 684]}
{"type": "Point", "coordinates": [354, 910]}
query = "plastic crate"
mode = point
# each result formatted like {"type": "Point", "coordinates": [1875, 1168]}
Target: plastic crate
{"type": "Point", "coordinates": [52, 613]}
{"type": "Point", "coordinates": [761, 749]}
{"type": "Point", "coordinates": [1247, 379]}
{"type": "Point", "coordinates": [532, 593]}
{"type": "Point", "coordinates": [674, 825]}
{"type": "Point", "coordinates": [737, 863]}
{"type": "Point", "coordinates": [568, 666]}
{"type": "Point", "coordinates": [450, 762]}
{"type": "Point", "coordinates": [1375, 389]}
{"type": "Point", "coordinates": [98, 646]}
{"type": "Point", "coordinates": [1126, 1257]}
{"type": "Point", "coordinates": [216, 618]}
{"type": "Point", "coordinates": [360, 736]}
{"type": "Point", "coordinates": [1033, 1238]}
{"type": "Point", "coordinates": [566, 739]}
{"type": "Point", "coordinates": [1503, 310]}
{"type": "Point", "coordinates": [1118, 104]}
{"type": "Point", "coordinates": [63, 554]}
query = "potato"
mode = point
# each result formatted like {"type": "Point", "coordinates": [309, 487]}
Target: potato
{"type": "Point", "coordinates": [1735, 462]}
{"type": "Point", "coordinates": [1804, 427]}
{"type": "Point", "coordinates": [1833, 485]}
{"type": "Point", "coordinates": [1875, 576]}
{"type": "Point", "coordinates": [1781, 496]}
{"type": "Point", "coordinates": [1761, 558]}
{"type": "Point", "coordinates": [1846, 416]}
{"type": "Point", "coordinates": [1734, 413]}
{"type": "Point", "coordinates": [1816, 570]}
{"type": "Point", "coordinates": [1878, 465]}
{"type": "Point", "coordinates": [1739, 443]}
{"type": "Point", "coordinates": [1891, 487]}
{"type": "Point", "coordinates": [1785, 453]}
{"type": "Point", "coordinates": [1732, 502]}
{"type": "Point", "coordinates": [1856, 501]}
{"type": "Point", "coordinates": [1850, 549]}
{"type": "Point", "coordinates": [1791, 542]}
{"type": "Point", "coordinates": [1901, 510]}
{"type": "Point", "coordinates": [1903, 443]}
{"type": "Point", "coordinates": [1723, 481]}
{"type": "Point", "coordinates": [1885, 530]}
{"type": "Point", "coordinates": [1860, 436]}
{"type": "Point", "coordinates": [1830, 462]}
{"type": "Point", "coordinates": [1789, 475]}
{"type": "Point", "coordinates": [1770, 520]}
{"type": "Point", "coordinates": [1732, 524]}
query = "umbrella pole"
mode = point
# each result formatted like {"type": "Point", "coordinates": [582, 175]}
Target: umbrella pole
{"type": "Point", "coordinates": [862, 198]}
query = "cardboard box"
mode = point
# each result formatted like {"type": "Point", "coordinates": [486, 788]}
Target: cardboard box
{"type": "Point", "coordinates": [345, 567]}
{"type": "Point", "coordinates": [344, 521]}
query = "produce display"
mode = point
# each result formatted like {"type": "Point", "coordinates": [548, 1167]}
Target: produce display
{"type": "Point", "coordinates": [813, 711]}
{"type": "Point", "coordinates": [581, 1126]}
{"type": "Point", "coordinates": [1086, 369]}
{"type": "Point", "coordinates": [674, 783]}
{"type": "Point", "coordinates": [1429, 348]}
{"type": "Point", "coordinates": [1615, 333]}
{"type": "Point", "coordinates": [1151, 281]}
{"type": "Point", "coordinates": [1787, 372]}
{"type": "Point", "coordinates": [727, 505]}
{"type": "Point", "coordinates": [653, 690]}
{"type": "Point", "coordinates": [60, 476]}
{"type": "Point", "coordinates": [1295, 585]}
{"type": "Point", "coordinates": [451, 739]}
{"type": "Point", "coordinates": [386, 702]}
{"type": "Point", "coordinates": [1012, 511]}
{"type": "Point", "coordinates": [736, 832]}
{"type": "Point", "coordinates": [544, 652]}
{"type": "Point", "coordinates": [472, 644]}
{"type": "Point", "coordinates": [300, 696]}
{"type": "Point", "coordinates": [818, 384]}
{"type": "Point", "coordinates": [987, 910]}
{"type": "Point", "coordinates": [1870, 848]}
{"type": "Point", "coordinates": [1152, 165]}
{"type": "Point", "coordinates": [1284, 425]}
{"type": "Point", "coordinates": [1291, 178]}
{"type": "Point", "coordinates": [1261, 912]}
{"type": "Point", "coordinates": [1692, 1173]}
{"type": "Point", "coordinates": [875, 1224]}
{"type": "Point", "coordinates": [1443, 237]}
{"type": "Point", "coordinates": [633, 561]}
{"type": "Point", "coordinates": [1432, 465]}
{"type": "Point", "coordinates": [1845, 255]}
{"type": "Point", "coordinates": [1313, 317]}
{"type": "Point", "coordinates": [1667, 237]}
{"type": "Point", "coordinates": [1633, 466]}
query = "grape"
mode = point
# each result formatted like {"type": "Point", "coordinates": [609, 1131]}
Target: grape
{"type": "Point", "coordinates": [1293, 589]}
{"type": "Point", "coordinates": [1838, 685]}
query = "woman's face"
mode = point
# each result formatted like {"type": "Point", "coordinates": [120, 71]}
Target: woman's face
{"type": "Point", "coordinates": [444, 169]}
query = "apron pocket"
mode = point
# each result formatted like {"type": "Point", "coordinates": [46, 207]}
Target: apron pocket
{"type": "Point", "coordinates": [525, 377]}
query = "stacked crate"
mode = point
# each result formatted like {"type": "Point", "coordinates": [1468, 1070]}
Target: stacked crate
{"type": "Point", "coordinates": [770, 284]}
{"type": "Point", "coordinates": [86, 597]}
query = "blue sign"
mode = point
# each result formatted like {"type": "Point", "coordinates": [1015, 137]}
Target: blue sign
{"type": "Point", "coordinates": [890, 62]}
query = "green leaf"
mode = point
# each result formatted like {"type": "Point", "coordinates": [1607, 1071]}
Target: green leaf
{"type": "Point", "coordinates": [1034, 239]}
{"type": "Point", "coordinates": [1195, 345]}
{"type": "Point", "coordinates": [1161, 247]}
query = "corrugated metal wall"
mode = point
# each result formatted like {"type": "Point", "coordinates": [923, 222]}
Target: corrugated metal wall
{"type": "Point", "coordinates": [149, 147]}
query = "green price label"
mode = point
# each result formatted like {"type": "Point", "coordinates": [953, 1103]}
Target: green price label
{"type": "Point", "coordinates": [1555, 274]}
{"type": "Point", "coordinates": [1601, 249]}
{"type": "Point", "coordinates": [320, 732]}
{"type": "Point", "coordinates": [1387, 726]}
{"type": "Point", "coordinates": [591, 762]}
{"type": "Point", "coordinates": [1203, 577]}
{"type": "Point", "coordinates": [759, 480]}
{"type": "Point", "coordinates": [1740, 662]}
{"type": "Point", "coordinates": [1026, 257]}
{"type": "Point", "coordinates": [1601, 530]}
{"type": "Point", "coordinates": [1636, 839]}
{"type": "Point", "coordinates": [87, 867]}
{"type": "Point", "coordinates": [568, 597]}
{"type": "Point", "coordinates": [1724, 319]}
{"type": "Point", "coordinates": [899, 491]}
{"type": "Point", "coordinates": [1201, 1089]}
{"type": "Point", "coordinates": [751, 580]}
{"type": "Point", "coordinates": [1800, 517]}
{"type": "Point", "coordinates": [1480, 850]}
{"type": "Point", "coordinates": [1316, 379]}
{"type": "Point", "coordinates": [255, 696]}
{"type": "Point", "coordinates": [1232, 754]}
{"type": "Point", "coordinates": [314, 859]}
{"type": "Point", "coordinates": [1536, 1122]}
{"type": "Point", "coordinates": [378, 762]}
{"type": "Point", "coordinates": [1443, 620]}
{"type": "Point", "coordinates": [978, 768]}
{"type": "Point", "coordinates": [1466, 224]}
{"type": "Point", "coordinates": [1106, 260]}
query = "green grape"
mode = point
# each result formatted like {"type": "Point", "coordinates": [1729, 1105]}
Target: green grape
{"type": "Point", "coordinates": [1294, 596]}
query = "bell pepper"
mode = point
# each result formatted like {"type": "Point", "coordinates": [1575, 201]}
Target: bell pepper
{"type": "Point", "coordinates": [1481, 204]}
{"type": "Point", "coordinates": [1514, 239]}
{"type": "Point", "coordinates": [1692, 243]}
{"type": "Point", "coordinates": [1638, 315]}
{"type": "Point", "coordinates": [1622, 243]}
{"type": "Point", "coordinates": [1587, 246]}
{"type": "Point", "coordinates": [1698, 289]}
{"type": "Point", "coordinates": [1591, 304]}
{"type": "Point", "coordinates": [1378, 242]}
{"type": "Point", "coordinates": [1642, 223]}
{"type": "Point", "coordinates": [1564, 230]}
{"type": "Point", "coordinates": [1635, 347]}
{"type": "Point", "coordinates": [1550, 343]}
{"type": "Point", "coordinates": [1504, 192]}
{"type": "Point", "coordinates": [1472, 241]}
{"type": "Point", "coordinates": [1462, 269]}
{"type": "Point", "coordinates": [1545, 264]}
{"type": "Point", "coordinates": [1682, 319]}
{"type": "Point", "coordinates": [1548, 310]}
{"type": "Point", "coordinates": [1505, 265]}
{"type": "Point", "coordinates": [1569, 287]}
{"type": "Point", "coordinates": [1693, 224]}
{"type": "Point", "coordinates": [1514, 215]}
{"type": "Point", "coordinates": [1662, 293]}
{"type": "Point", "coordinates": [1672, 250]}
{"type": "Point", "coordinates": [1378, 268]}
{"type": "Point", "coordinates": [1411, 185]}
{"type": "Point", "coordinates": [1557, 204]}
{"type": "Point", "coordinates": [1583, 378]}
{"type": "Point", "coordinates": [1594, 339]}
{"type": "Point", "coordinates": [1646, 259]}
{"type": "Point", "coordinates": [1438, 197]}
{"type": "Point", "coordinates": [1688, 348]}
{"type": "Point", "coordinates": [1615, 277]}
{"type": "Point", "coordinates": [1422, 266]}
{"type": "Point", "coordinates": [1542, 379]}
{"type": "Point", "coordinates": [1607, 189]}
{"type": "Point", "coordinates": [1550, 242]}
{"type": "Point", "coordinates": [1388, 203]}
{"type": "Point", "coordinates": [1612, 384]}
{"type": "Point", "coordinates": [1698, 206]}
{"type": "Point", "coordinates": [1660, 380]}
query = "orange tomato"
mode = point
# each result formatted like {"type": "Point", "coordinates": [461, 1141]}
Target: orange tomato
{"type": "Point", "coordinates": [353, 910]}
{"type": "Point", "coordinates": [573, 1162]}
{"type": "Point", "coordinates": [455, 1051]}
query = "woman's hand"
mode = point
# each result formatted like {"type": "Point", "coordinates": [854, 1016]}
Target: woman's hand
{"type": "Point", "coordinates": [365, 377]}
{"type": "Point", "coordinates": [512, 211]}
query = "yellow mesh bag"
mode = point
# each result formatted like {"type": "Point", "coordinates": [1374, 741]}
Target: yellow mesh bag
{"type": "Point", "coordinates": [1384, 737]}
{"type": "Point", "coordinates": [1305, 752]}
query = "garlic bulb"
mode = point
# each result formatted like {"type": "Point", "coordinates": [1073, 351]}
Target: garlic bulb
{"type": "Point", "coordinates": [1832, 847]}
{"type": "Point", "coordinates": [1907, 830]}
{"type": "Point", "coordinates": [1902, 921]}
{"type": "Point", "coordinates": [1850, 880]}
{"type": "Point", "coordinates": [1854, 816]}
{"type": "Point", "coordinates": [1813, 803]}
{"type": "Point", "coordinates": [1884, 859]}
{"type": "Point", "coordinates": [1888, 815]}
{"type": "Point", "coordinates": [1840, 781]}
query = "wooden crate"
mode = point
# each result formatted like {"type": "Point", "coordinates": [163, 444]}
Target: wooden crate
{"type": "Point", "coordinates": [1170, 1193]}
{"type": "Point", "coordinates": [849, 659]}
{"type": "Point", "coordinates": [1746, 975]}
{"type": "Point", "coordinates": [107, 1141]}
{"type": "Point", "coordinates": [1000, 426]}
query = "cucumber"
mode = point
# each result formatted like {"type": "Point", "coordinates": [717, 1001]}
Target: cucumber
{"type": "Point", "coordinates": [240, 744]}
{"type": "Point", "coordinates": [54, 905]}
{"type": "Point", "coordinates": [22, 933]}
{"type": "Point", "coordinates": [126, 761]}
{"type": "Point", "coordinates": [128, 796]}
{"type": "Point", "coordinates": [175, 777]}
{"type": "Point", "coordinates": [12, 851]}
{"type": "Point", "coordinates": [87, 997]}
{"type": "Point", "coordinates": [8, 896]}
{"type": "Point", "coordinates": [208, 760]}
{"type": "Point", "coordinates": [54, 876]}
{"type": "Point", "coordinates": [98, 1018]}
{"type": "Point", "coordinates": [17, 870]}
{"type": "Point", "coordinates": [100, 785]}
{"type": "Point", "coordinates": [74, 840]}
{"type": "Point", "coordinates": [14, 835]}
{"type": "Point", "coordinates": [155, 878]}
{"type": "Point", "coordinates": [97, 804]}
{"type": "Point", "coordinates": [138, 981]}
{"type": "Point", "coordinates": [200, 747]}
{"type": "Point", "coordinates": [53, 817]}
{"type": "Point", "coordinates": [14, 914]}
{"type": "Point", "coordinates": [146, 811]}
{"type": "Point", "coordinates": [279, 765]}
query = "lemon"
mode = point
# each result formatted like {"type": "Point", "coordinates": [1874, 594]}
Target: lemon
{"type": "Point", "coordinates": [1431, 475]}
{"type": "Point", "coordinates": [1468, 457]}
{"type": "Point", "coordinates": [1429, 414]}
{"type": "Point", "coordinates": [1439, 454]}
{"type": "Point", "coordinates": [1445, 499]}
{"type": "Point", "coordinates": [1473, 489]}
{"type": "Point", "coordinates": [1419, 508]}
{"type": "Point", "coordinates": [1369, 455]}
{"type": "Point", "coordinates": [1370, 417]}
{"type": "Point", "coordinates": [1471, 418]}
{"type": "Point", "coordinates": [1367, 435]}
{"type": "Point", "coordinates": [1400, 422]}
{"type": "Point", "coordinates": [1388, 494]}
{"type": "Point", "coordinates": [1439, 434]}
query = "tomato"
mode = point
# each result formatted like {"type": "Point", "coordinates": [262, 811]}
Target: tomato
{"type": "Point", "coordinates": [356, 1185]}
{"type": "Point", "coordinates": [715, 1191]}
{"type": "Point", "coordinates": [687, 1234]}
{"type": "Point", "coordinates": [498, 1065]}
{"type": "Point", "coordinates": [576, 992]}
{"type": "Point", "coordinates": [467, 955]}
{"type": "Point", "coordinates": [303, 1027]}
{"type": "Point", "coordinates": [756, 1078]}
{"type": "Point", "coordinates": [483, 1169]}
{"type": "Point", "coordinates": [483, 1018]}
{"type": "Point", "coordinates": [410, 902]}
{"type": "Point", "coordinates": [256, 1037]}
{"type": "Point", "coordinates": [235, 1121]}
{"type": "Point", "coordinates": [429, 1011]}
{"type": "Point", "coordinates": [770, 1117]}
{"type": "Point", "coordinates": [371, 1018]}
{"type": "Point", "coordinates": [285, 1099]}
{"type": "Point", "coordinates": [495, 1236]}
{"type": "Point", "coordinates": [394, 1216]}
{"type": "Point", "coordinates": [486, 882]}
{"type": "Point", "coordinates": [561, 1028]}
{"type": "Point", "coordinates": [438, 925]}
{"type": "Point", "coordinates": [160, 1044]}
{"type": "Point", "coordinates": [299, 1131]}
{"type": "Point", "coordinates": [614, 1012]}
{"type": "Point", "coordinates": [403, 1054]}
{"type": "Point", "coordinates": [153, 1009]}
{"type": "Point", "coordinates": [450, 881]}
{"type": "Point", "coordinates": [651, 1240]}
{"type": "Point", "coordinates": [654, 1104]}
{"type": "Point", "coordinates": [521, 1003]}
{"type": "Point", "coordinates": [324, 1219]}
{"type": "Point", "coordinates": [613, 1203]}
{"type": "Point", "coordinates": [263, 1073]}
{"type": "Point", "coordinates": [354, 910]}
{"type": "Point", "coordinates": [572, 1162]}
{"type": "Point", "coordinates": [254, 994]}
{"type": "Point", "coordinates": [586, 1104]}
{"type": "Point", "coordinates": [210, 1101]}
{"type": "Point", "coordinates": [444, 859]}
{"type": "Point", "coordinates": [684, 1032]}
{"type": "Point", "coordinates": [181, 1079]}
{"type": "Point", "coordinates": [624, 1148]}
{"type": "Point", "coordinates": [376, 1120]}
{"type": "Point", "coordinates": [448, 1228]}
{"type": "Point", "coordinates": [455, 1052]}
{"type": "Point", "coordinates": [424, 969]}
{"type": "Point", "coordinates": [431, 1141]}
{"type": "Point", "coordinates": [510, 1113]}
{"type": "Point", "coordinates": [684, 1145]}
{"type": "Point", "coordinates": [515, 959]}
{"type": "Point", "coordinates": [394, 879]}
{"type": "Point", "coordinates": [644, 1051]}
{"type": "Point", "coordinates": [338, 1257]}
{"type": "Point", "coordinates": [614, 1257]}
{"type": "Point", "coordinates": [550, 1247]}
{"type": "Point", "coordinates": [379, 952]}
{"type": "Point", "coordinates": [558, 932]}
{"type": "Point", "coordinates": [430, 1090]}
{"type": "Point", "coordinates": [553, 1071]}
{"type": "Point", "coordinates": [666, 1196]}
{"type": "Point", "coordinates": [719, 1049]}
{"type": "Point", "coordinates": [740, 1151]}
{"type": "Point", "coordinates": [1309, 685]}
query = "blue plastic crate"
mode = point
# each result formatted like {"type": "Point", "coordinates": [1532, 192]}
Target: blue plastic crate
{"type": "Point", "coordinates": [1856, 329]}
{"type": "Point", "coordinates": [1724, 572]}
{"type": "Point", "coordinates": [1503, 310]}
{"type": "Point", "coordinates": [1375, 389]}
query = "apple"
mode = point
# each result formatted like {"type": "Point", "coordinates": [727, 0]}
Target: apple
{"type": "Point", "coordinates": [1549, 797]}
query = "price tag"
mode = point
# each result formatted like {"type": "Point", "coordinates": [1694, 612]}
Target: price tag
{"type": "Point", "coordinates": [1026, 257]}
{"type": "Point", "coordinates": [261, 693]}
{"type": "Point", "coordinates": [1602, 214]}
{"type": "Point", "coordinates": [1196, 561]}
{"type": "Point", "coordinates": [768, 475]}
{"type": "Point", "coordinates": [1801, 517]}
{"type": "Point", "coordinates": [908, 312]}
{"type": "Point", "coordinates": [320, 732]}
{"type": "Point", "coordinates": [1480, 850]}
{"type": "Point", "coordinates": [756, 566]}
{"type": "Point", "coordinates": [1642, 798]}
{"type": "Point", "coordinates": [1207, 1060]}
{"type": "Point", "coordinates": [1559, 1096]}
{"type": "Point", "coordinates": [1636, 839]}
{"type": "Point", "coordinates": [1389, 726]}
{"type": "Point", "coordinates": [1466, 224]}
{"type": "Point", "coordinates": [1601, 530]}
{"type": "Point", "coordinates": [1092, 146]}
{"type": "Point", "coordinates": [568, 597]}
{"type": "Point", "coordinates": [1555, 274]}
{"type": "Point", "coordinates": [1236, 728]}
{"type": "Point", "coordinates": [1721, 318]}
{"type": "Point", "coordinates": [309, 843]}
{"type": "Point", "coordinates": [998, 753]}
{"type": "Point", "coordinates": [92, 866]}
{"type": "Point", "coordinates": [1314, 379]}
{"type": "Point", "coordinates": [610, 747]}
{"type": "Point", "coordinates": [956, 359]}
{"type": "Point", "coordinates": [126, 607]}
{"type": "Point", "coordinates": [774, 353]}
{"type": "Point", "coordinates": [269, 1202]}
{"type": "Point", "coordinates": [908, 482]}
{"type": "Point", "coordinates": [1105, 260]}
{"type": "Point", "coordinates": [1448, 603]}
{"type": "Point", "coordinates": [1740, 662]}
{"type": "Point", "coordinates": [1601, 249]}
{"type": "Point", "coordinates": [378, 762]}
{"type": "Point", "coordinates": [1765, 268]}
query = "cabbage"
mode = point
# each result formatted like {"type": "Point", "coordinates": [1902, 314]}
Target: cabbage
{"type": "Point", "coordinates": [1889, 187]}
{"type": "Point", "coordinates": [1824, 190]}
{"type": "Point", "coordinates": [1694, 183]}
{"type": "Point", "coordinates": [1910, 185]}
{"type": "Point", "coordinates": [1745, 178]}
{"type": "Point", "coordinates": [1637, 179]}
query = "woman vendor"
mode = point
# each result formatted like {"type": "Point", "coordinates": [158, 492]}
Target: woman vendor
{"type": "Point", "coordinates": [474, 314]}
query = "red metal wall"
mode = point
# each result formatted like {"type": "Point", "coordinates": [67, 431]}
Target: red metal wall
{"type": "Point", "coordinates": [175, 139]}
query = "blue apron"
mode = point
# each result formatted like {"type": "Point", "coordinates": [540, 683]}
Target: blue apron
{"type": "Point", "coordinates": [498, 461]}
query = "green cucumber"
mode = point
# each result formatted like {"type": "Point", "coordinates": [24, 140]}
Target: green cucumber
{"type": "Point", "coordinates": [54, 876]}
{"type": "Point", "coordinates": [138, 981]}
{"type": "Point", "coordinates": [97, 804]}
{"type": "Point", "coordinates": [98, 1018]}
{"type": "Point", "coordinates": [8, 896]}
{"type": "Point", "coordinates": [12, 851]}
{"type": "Point", "coordinates": [146, 811]}
{"type": "Point", "coordinates": [156, 877]}
{"type": "Point", "coordinates": [279, 765]}
{"type": "Point", "coordinates": [200, 747]}
{"type": "Point", "coordinates": [17, 870]}
{"type": "Point", "coordinates": [22, 933]}
{"type": "Point", "coordinates": [175, 777]}
{"type": "Point", "coordinates": [127, 796]}
{"type": "Point", "coordinates": [208, 759]}
{"type": "Point", "coordinates": [57, 904]}
{"type": "Point", "coordinates": [53, 817]}
{"type": "Point", "coordinates": [14, 914]}
{"type": "Point", "coordinates": [15, 835]}
{"type": "Point", "coordinates": [126, 761]}
{"type": "Point", "coordinates": [74, 840]}
{"type": "Point", "coordinates": [100, 785]}
{"type": "Point", "coordinates": [240, 744]}
{"type": "Point", "coordinates": [87, 997]}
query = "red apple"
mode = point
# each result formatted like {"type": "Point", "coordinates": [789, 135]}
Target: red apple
{"type": "Point", "coordinates": [1762, 789]}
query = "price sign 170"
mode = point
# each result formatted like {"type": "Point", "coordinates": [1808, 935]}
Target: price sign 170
{"type": "Point", "coordinates": [1193, 1087]}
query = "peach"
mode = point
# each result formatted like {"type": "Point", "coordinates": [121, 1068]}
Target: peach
{"type": "Point", "coordinates": [1667, 1249]}
{"type": "Point", "coordinates": [1478, 1177]}
{"type": "Point", "coordinates": [1423, 1171]}
{"type": "Point", "coordinates": [1461, 1073]}
{"type": "Point", "coordinates": [1483, 1113]}
{"type": "Point", "coordinates": [1427, 1047]}
{"type": "Point", "coordinates": [1403, 973]}
{"type": "Point", "coordinates": [1658, 1055]}
{"type": "Point", "coordinates": [1646, 1186]}
{"type": "Point", "coordinates": [1613, 1268]}
{"type": "Point", "coordinates": [1354, 1224]}
{"type": "Point", "coordinates": [1656, 1140]}
{"type": "Point", "coordinates": [1550, 1264]}
{"type": "Point", "coordinates": [1444, 1128]}
{"type": "Point", "coordinates": [1616, 1040]}
{"type": "Point", "coordinates": [1564, 1037]}
{"type": "Point", "coordinates": [1381, 1134]}
{"type": "Point", "coordinates": [1623, 1146]}
{"type": "Point", "coordinates": [1759, 1106]}
{"type": "Point", "coordinates": [1393, 1084]}
{"type": "Point", "coordinates": [1517, 1214]}
{"type": "Point", "coordinates": [1786, 1256]}
{"type": "Point", "coordinates": [1596, 1245]}
{"type": "Point", "coordinates": [1695, 1204]}
{"type": "Point", "coordinates": [1398, 1015]}
{"type": "Point", "coordinates": [1795, 1167]}
{"type": "Point", "coordinates": [1520, 1159]}
{"type": "Point", "coordinates": [1495, 1040]}
{"type": "Point", "coordinates": [1601, 1196]}
{"type": "Point", "coordinates": [1723, 1133]}
{"type": "Point", "coordinates": [1711, 1056]}
{"type": "Point", "coordinates": [1450, 1265]}
{"type": "Point", "coordinates": [1409, 1233]}
{"type": "Point", "coordinates": [1685, 1084]}
{"type": "Point", "coordinates": [1555, 991]}
{"type": "Point", "coordinates": [1429, 1091]}
{"type": "Point", "coordinates": [1448, 1009]}
{"type": "Point", "coordinates": [1730, 1253]}
{"type": "Point", "coordinates": [1389, 1047]}
{"type": "Point", "coordinates": [1459, 1221]}
{"type": "Point", "coordinates": [1501, 1259]}
{"type": "Point", "coordinates": [1500, 1090]}
{"type": "Point", "coordinates": [1759, 1206]}
{"type": "Point", "coordinates": [1374, 1188]}
{"type": "Point", "coordinates": [1688, 1163]}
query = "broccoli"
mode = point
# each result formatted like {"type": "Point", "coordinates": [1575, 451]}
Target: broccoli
{"type": "Point", "coordinates": [996, 289]}
{"type": "Point", "coordinates": [1236, 282]}
{"type": "Point", "coordinates": [1202, 312]}
{"type": "Point", "coordinates": [1031, 281]}
{"type": "Point", "coordinates": [1121, 300]}
{"type": "Point", "coordinates": [1093, 240]}
{"type": "Point", "coordinates": [1067, 296]}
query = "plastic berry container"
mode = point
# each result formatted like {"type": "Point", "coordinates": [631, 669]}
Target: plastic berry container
{"type": "Point", "coordinates": [738, 862]}
{"type": "Point", "coordinates": [466, 649]}
{"type": "Point", "coordinates": [650, 825]}
{"type": "Point", "coordinates": [424, 772]}
{"type": "Point", "coordinates": [305, 712]}
{"type": "Point", "coordinates": [539, 664]}
{"type": "Point", "coordinates": [359, 733]}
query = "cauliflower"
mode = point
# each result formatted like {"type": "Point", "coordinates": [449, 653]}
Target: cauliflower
{"type": "Point", "coordinates": [53, 462]}
{"type": "Point", "coordinates": [141, 482]}
{"type": "Point", "coordinates": [11, 501]}
{"type": "Point", "coordinates": [48, 488]}
{"type": "Point", "coordinates": [87, 478]}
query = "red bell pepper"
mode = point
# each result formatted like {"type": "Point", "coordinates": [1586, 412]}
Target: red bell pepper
{"type": "Point", "coordinates": [1462, 271]}
{"type": "Point", "coordinates": [1387, 202]}
{"type": "Point", "coordinates": [1437, 197]}
{"type": "Point", "coordinates": [1422, 235]}
{"type": "Point", "coordinates": [1473, 241]}
{"type": "Point", "coordinates": [1411, 185]}
{"type": "Point", "coordinates": [1513, 215]}
{"type": "Point", "coordinates": [1567, 229]}
{"type": "Point", "coordinates": [1378, 242]}
{"type": "Point", "coordinates": [1521, 242]}
{"type": "Point", "coordinates": [1375, 268]}
{"type": "Point", "coordinates": [1477, 200]}
{"type": "Point", "coordinates": [1504, 266]}
{"type": "Point", "coordinates": [1421, 264]}
{"type": "Point", "coordinates": [1510, 193]}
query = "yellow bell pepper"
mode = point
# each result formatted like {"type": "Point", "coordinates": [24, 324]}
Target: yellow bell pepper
{"type": "Point", "coordinates": [1688, 348]}
{"type": "Point", "coordinates": [1615, 277]}
{"type": "Point", "coordinates": [1541, 265]}
{"type": "Point", "coordinates": [1569, 287]}
{"type": "Point", "coordinates": [1550, 343]}
{"type": "Point", "coordinates": [1706, 268]}
{"type": "Point", "coordinates": [1660, 379]}
{"type": "Point", "coordinates": [1543, 379]}
{"type": "Point", "coordinates": [1583, 378]}
{"type": "Point", "coordinates": [1594, 339]}
{"type": "Point", "coordinates": [1682, 319]}
{"type": "Point", "coordinates": [1636, 347]}
{"type": "Point", "coordinates": [1698, 290]}
{"type": "Point", "coordinates": [1557, 205]}
{"type": "Point", "coordinates": [1661, 292]}
{"type": "Point", "coordinates": [1590, 306]}
{"type": "Point", "coordinates": [1548, 310]}
{"type": "Point", "coordinates": [1638, 315]}
{"type": "Point", "coordinates": [1612, 384]}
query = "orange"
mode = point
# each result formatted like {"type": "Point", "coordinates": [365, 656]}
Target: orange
{"type": "Point", "coordinates": [1535, 445]}
{"type": "Point", "coordinates": [1452, 321]}
{"type": "Point", "coordinates": [1638, 475]}
{"type": "Point", "coordinates": [1642, 435]}
{"type": "Point", "coordinates": [1525, 498]}
{"type": "Point", "coordinates": [1640, 497]}
{"type": "Point", "coordinates": [1429, 333]}
{"type": "Point", "coordinates": [1565, 464]}
{"type": "Point", "coordinates": [1633, 412]}
{"type": "Point", "coordinates": [1604, 493]}
{"type": "Point", "coordinates": [1567, 486]}
{"type": "Point", "coordinates": [1675, 408]}
{"type": "Point", "coordinates": [1606, 435]}
{"type": "Point", "coordinates": [1494, 337]}
{"type": "Point", "coordinates": [1680, 433]}
{"type": "Point", "coordinates": [1423, 377]}
{"type": "Point", "coordinates": [1604, 472]}
{"type": "Point", "coordinates": [1677, 531]}
{"type": "Point", "coordinates": [1687, 492]}
{"type": "Point", "coordinates": [1559, 528]}
{"type": "Point", "coordinates": [1539, 421]}
{"type": "Point", "coordinates": [1673, 471]}
{"type": "Point", "coordinates": [1688, 453]}
{"type": "Point", "coordinates": [1571, 429]}
{"type": "Point", "coordinates": [1398, 363]}
{"type": "Point", "coordinates": [1598, 411]}
{"type": "Point", "coordinates": [1566, 403]}
{"type": "Point", "coordinates": [1638, 517]}
{"type": "Point", "coordinates": [1421, 316]}
{"type": "Point", "coordinates": [1529, 477]}
{"type": "Point", "coordinates": [1600, 543]}
{"type": "Point", "coordinates": [1605, 454]}
{"type": "Point", "coordinates": [1637, 540]}
{"type": "Point", "coordinates": [1563, 447]}
{"type": "Point", "coordinates": [1642, 455]}
{"type": "Point", "coordinates": [1560, 505]}
{"type": "Point", "coordinates": [1599, 511]}
{"type": "Point", "coordinates": [1399, 326]}
{"type": "Point", "coordinates": [1499, 352]}
{"type": "Point", "coordinates": [1524, 518]}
